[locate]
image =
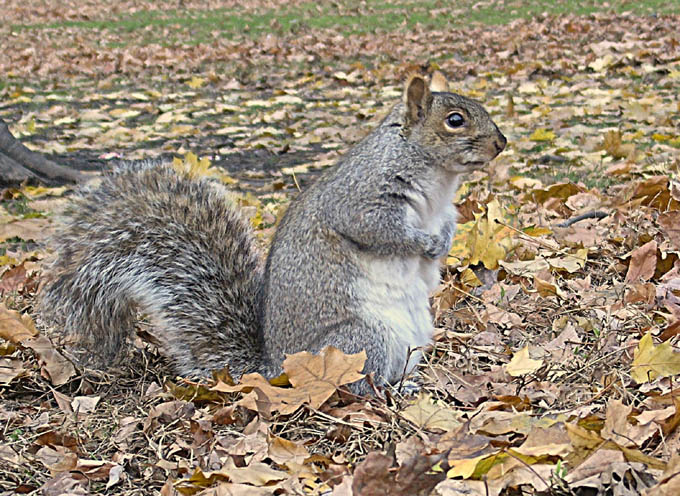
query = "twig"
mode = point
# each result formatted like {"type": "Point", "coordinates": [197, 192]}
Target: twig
{"type": "Point", "coordinates": [595, 214]}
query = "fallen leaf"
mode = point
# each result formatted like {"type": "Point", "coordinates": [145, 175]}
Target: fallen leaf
{"type": "Point", "coordinates": [15, 327]}
{"type": "Point", "coordinates": [315, 378]}
{"type": "Point", "coordinates": [426, 414]}
{"type": "Point", "coordinates": [670, 221]}
{"type": "Point", "coordinates": [650, 362]}
{"type": "Point", "coordinates": [10, 369]}
{"type": "Point", "coordinates": [489, 239]}
{"type": "Point", "coordinates": [58, 369]}
{"type": "Point", "coordinates": [522, 364]}
{"type": "Point", "coordinates": [542, 134]}
{"type": "Point", "coordinates": [283, 451]}
{"type": "Point", "coordinates": [35, 229]}
{"type": "Point", "coordinates": [85, 404]}
{"type": "Point", "coordinates": [642, 263]}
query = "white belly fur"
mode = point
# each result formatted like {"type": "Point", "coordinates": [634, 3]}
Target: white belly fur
{"type": "Point", "coordinates": [395, 297]}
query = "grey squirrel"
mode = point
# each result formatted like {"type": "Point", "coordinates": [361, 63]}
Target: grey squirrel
{"type": "Point", "coordinates": [351, 264]}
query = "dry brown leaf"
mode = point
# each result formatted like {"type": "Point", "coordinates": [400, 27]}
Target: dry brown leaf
{"type": "Point", "coordinates": [642, 263]}
{"type": "Point", "coordinates": [14, 327]}
{"type": "Point", "coordinates": [504, 318]}
{"type": "Point", "coordinates": [655, 192]}
{"type": "Point", "coordinates": [522, 364]}
{"type": "Point", "coordinates": [451, 487]}
{"type": "Point", "coordinates": [315, 378]}
{"type": "Point", "coordinates": [20, 279]}
{"type": "Point", "coordinates": [282, 451]}
{"type": "Point", "coordinates": [10, 369]}
{"type": "Point", "coordinates": [428, 415]}
{"type": "Point", "coordinates": [35, 229]}
{"type": "Point", "coordinates": [618, 428]}
{"type": "Point", "coordinates": [166, 413]}
{"type": "Point", "coordinates": [330, 367]}
{"type": "Point", "coordinates": [374, 476]}
{"type": "Point", "coordinates": [66, 483]}
{"type": "Point", "coordinates": [257, 474]}
{"type": "Point", "coordinates": [55, 366]}
{"type": "Point", "coordinates": [85, 404]}
{"type": "Point", "coordinates": [497, 423]}
{"type": "Point", "coordinates": [57, 459]}
{"type": "Point", "coordinates": [231, 489]}
{"type": "Point", "coordinates": [669, 482]}
{"type": "Point", "coordinates": [546, 441]}
{"type": "Point", "coordinates": [670, 221]}
{"type": "Point", "coordinates": [595, 464]}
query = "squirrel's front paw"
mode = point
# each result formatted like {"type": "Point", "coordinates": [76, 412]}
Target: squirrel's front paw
{"type": "Point", "coordinates": [440, 244]}
{"type": "Point", "coordinates": [438, 247]}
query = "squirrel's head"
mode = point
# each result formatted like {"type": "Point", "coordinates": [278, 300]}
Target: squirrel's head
{"type": "Point", "coordinates": [456, 130]}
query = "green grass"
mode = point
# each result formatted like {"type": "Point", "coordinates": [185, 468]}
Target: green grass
{"type": "Point", "coordinates": [346, 17]}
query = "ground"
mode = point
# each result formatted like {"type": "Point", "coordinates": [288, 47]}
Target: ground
{"type": "Point", "coordinates": [555, 356]}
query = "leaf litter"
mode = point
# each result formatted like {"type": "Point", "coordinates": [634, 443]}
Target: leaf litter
{"type": "Point", "coordinates": [555, 356]}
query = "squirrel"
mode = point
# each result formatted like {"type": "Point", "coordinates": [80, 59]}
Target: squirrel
{"type": "Point", "coordinates": [351, 264]}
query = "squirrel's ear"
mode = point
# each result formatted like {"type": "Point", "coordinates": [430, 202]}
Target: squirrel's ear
{"type": "Point", "coordinates": [438, 82]}
{"type": "Point", "coordinates": [417, 98]}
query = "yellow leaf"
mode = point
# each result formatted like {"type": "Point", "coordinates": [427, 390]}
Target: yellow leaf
{"type": "Point", "coordinates": [536, 231]}
{"type": "Point", "coordinates": [542, 134]}
{"type": "Point", "coordinates": [650, 362]}
{"type": "Point", "coordinates": [256, 220]}
{"type": "Point", "coordinates": [521, 182]}
{"type": "Point", "coordinates": [7, 260]}
{"type": "Point", "coordinates": [489, 239]}
{"type": "Point", "coordinates": [37, 191]}
{"type": "Point", "coordinates": [469, 278]}
{"type": "Point", "coordinates": [196, 82]}
{"type": "Point", "coordinates": [463, 468]}
{"type": "Point", "coordinates": [192, 166]}
{"type": "Point", "coordinates": [462, 192]}
{"type": "Point", "coordinates": [613, 145]}
{"type": "Point", "coordinates": [522, 364]}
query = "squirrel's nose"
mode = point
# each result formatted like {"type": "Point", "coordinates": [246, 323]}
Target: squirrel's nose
{"type": "Point", "coordinates": [500, 142]}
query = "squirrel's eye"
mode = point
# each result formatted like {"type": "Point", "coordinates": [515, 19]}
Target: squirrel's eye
{"type": "Point", "coordinates": [455, 120]}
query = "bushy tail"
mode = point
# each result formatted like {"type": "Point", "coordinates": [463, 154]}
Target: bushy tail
{"type": "Point", "coordinates": [149, 240]}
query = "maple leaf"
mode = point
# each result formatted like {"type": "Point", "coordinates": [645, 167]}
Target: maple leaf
{"type": "Point", "coordinates": [315, 378]}
{"type": "Point", "coordinates": [489, 240]}
{"type": "Point", "coordinates": [329, 369]}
